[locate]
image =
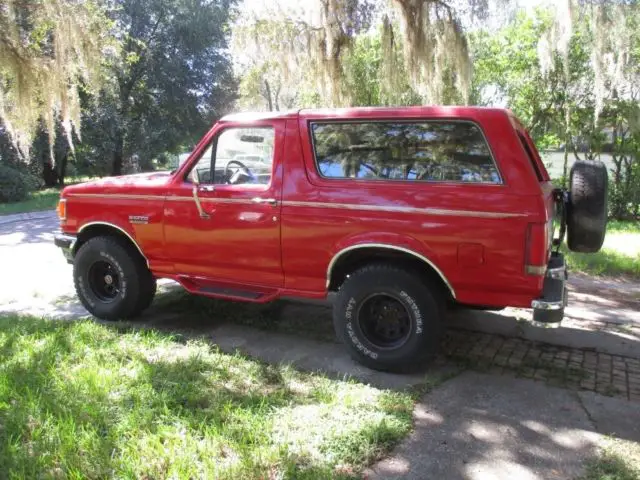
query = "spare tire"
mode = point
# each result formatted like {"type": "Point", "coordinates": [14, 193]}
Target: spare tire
{"type": "Point", "coordinates": [587, 208]}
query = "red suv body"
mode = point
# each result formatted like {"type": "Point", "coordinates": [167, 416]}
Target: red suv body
{"type": "Point", "coordinates": [295, 204]}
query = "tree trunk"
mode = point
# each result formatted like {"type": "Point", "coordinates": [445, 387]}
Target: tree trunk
{"type": "Point", "coordinates": [118, 154]}
{"type": "Point", "coordinates": [567, 140]}
{"type": "Point", "coordinates": [268, 95]}
{"type": "Point", "coordinates": [62, 168]}
{"type": "Point", "coordinates": [565, 165]}
{"type": "Point", "coordinates": [49, 174]}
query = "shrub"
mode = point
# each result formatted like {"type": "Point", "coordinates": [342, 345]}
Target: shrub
{"type": "Point", "coordinates": [624, 192]}
{"type": "Point", "coordinates": [15, 185]}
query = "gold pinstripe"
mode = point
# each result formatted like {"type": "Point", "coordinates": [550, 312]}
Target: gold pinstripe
{"type": "Point", "coordinates": [383, 208]}
{"type": "Point", "coordinates": [292, 203]}
{"type": "Point", "coordinates": [117, 196]}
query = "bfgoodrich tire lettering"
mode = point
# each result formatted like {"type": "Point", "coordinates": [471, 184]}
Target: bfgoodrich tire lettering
{"type": "Point", "coordinates": [404, 301]}
{"type": "Point", "coordinates": [128, 284]}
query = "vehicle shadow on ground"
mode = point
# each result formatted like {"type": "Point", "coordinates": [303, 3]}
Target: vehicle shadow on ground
{"type": "Point", "coordinates": [174, 307]}
{"type": "Point", "coordinates": [281, 332]}
{"type": "Point", "coordinates": [303, 334]}
{"type": "Point", "coordinates": [595, 327]}
{"type": "Point", "coordinates": [583, 327]}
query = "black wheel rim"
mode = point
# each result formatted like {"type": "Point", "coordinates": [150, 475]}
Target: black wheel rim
{"type": "Point", "coordinates": [104, 281]}
{"type": "Point", "coordinates": [384, 321]}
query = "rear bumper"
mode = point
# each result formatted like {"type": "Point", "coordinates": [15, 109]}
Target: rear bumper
{"type": "Point", "coordinates": [66, 243]}
{"type": "Point", "coordinates": [550, 307]}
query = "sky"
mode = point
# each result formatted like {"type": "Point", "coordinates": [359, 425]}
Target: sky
{"type": "Point", "coordinates": [496, 7]}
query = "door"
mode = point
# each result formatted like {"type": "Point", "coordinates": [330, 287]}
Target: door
{"type": "Point", "coordinates": [234, 233]}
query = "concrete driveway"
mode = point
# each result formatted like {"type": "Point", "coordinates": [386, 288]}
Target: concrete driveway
{"type": "Point", "coordinates": [36, 276]}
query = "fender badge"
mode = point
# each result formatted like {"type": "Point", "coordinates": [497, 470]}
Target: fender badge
{"type": "Point", "coordinates": [140, 219]}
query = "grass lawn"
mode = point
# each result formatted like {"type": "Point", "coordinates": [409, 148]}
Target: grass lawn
{"type": "Point", "coordinates": [620, 253]}
{"type": "Point", "coordinates": [46, 199]}
{"type": "Point", "coordinates": [84, 400]}
{"type": "Point", "coordinates": [619, 460]}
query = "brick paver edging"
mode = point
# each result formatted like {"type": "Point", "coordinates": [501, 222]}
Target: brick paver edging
{"type": "Point", "coordinates": [611, 375]}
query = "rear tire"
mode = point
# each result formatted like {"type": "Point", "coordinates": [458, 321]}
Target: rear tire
{"type": "Point", "coordinates": [388, 318]}
{"type": "Point", "coordinates": [587, 209]}
{"type": "Point", "coordinates": [112, 279]}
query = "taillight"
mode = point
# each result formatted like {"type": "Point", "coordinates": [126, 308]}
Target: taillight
{"type": "Point", "coordinates": [537, 249]}
{"type": "Point", "coordinates": [62, 209]}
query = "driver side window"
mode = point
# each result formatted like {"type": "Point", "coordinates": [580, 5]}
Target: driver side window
{"type": "Point", "coordinates": [238, 156]}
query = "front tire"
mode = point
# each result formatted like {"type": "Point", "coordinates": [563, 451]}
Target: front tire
{"type": "Point", "coordinates": [389, 318]}
{"type": "Point", "coordinates": [111, 279]}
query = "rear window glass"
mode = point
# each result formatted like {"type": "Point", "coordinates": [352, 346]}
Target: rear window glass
{"type": "Point", "coordinates": [443, 151]}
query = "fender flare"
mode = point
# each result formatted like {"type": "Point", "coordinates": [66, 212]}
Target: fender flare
{"type": "Point", "coordinates": [120, 229]}
{"type": "Point", "coordinates": [341, 252]}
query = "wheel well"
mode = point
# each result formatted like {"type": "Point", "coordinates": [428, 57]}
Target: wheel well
{"type": "Point", "coordinates": [353, 260]}
{"type": "Point", "coordinates": [104, 230]}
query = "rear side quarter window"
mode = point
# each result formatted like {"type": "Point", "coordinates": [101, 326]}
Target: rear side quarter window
{"type": "Point", "coordinates": [429, 151]}
{"type": "Point", "coordinates": [531, 157]}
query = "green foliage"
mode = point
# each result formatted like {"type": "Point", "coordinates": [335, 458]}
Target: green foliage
{"type": "Point", "coordinates": [49, 50]}
{"type": "Point", "coordinates": [507, 70]}
{"type": "Point", "coordinates": [171, 81]}
{"type": "Point", "coordinates": [15, 184]}
{"type": "Point", "coordinates": [334, 52]}
{"type": "Point", "coordinates": [366, 78]}
{"type": "Point", "coordinates": [559, 105]}
{"type": "Point", "coordinates": [363, 70]}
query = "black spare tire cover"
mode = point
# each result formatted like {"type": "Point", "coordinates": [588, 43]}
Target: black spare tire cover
{"type": "Point", "coordinates": [587, 208]}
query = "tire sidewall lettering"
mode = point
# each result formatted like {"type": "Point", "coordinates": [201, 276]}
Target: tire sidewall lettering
{"type": "Point", "coordinates": [415, 310]}
{"type": "Point", "coordinates": [349, 314]}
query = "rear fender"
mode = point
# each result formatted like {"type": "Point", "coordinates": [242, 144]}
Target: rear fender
{"type": "Point", "coordinates": [391, 241]}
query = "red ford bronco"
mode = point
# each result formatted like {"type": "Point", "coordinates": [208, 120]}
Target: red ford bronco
{"type": "Point", "coordinates": [399, 211]}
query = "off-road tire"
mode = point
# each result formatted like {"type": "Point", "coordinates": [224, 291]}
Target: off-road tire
{"type": "Point", "coordinates": [422, 302]}
{"type": "Point", "coordinates": [587, 208]}
{"type": "Point", "coordinates": [149, 288]}
{"type": "Point", "coordinates": [137, 285]}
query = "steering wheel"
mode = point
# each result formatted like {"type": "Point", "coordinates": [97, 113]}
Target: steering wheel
{"type": "Point", "coordinates": [240, 165]}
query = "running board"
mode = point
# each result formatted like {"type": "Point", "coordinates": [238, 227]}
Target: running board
{"type": "Point", "coordinates": [208, 288]}
{"type": "Point", "coordinates": [230, 292]}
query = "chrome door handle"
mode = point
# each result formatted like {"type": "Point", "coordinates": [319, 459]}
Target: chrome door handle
{"type": "Point", "coordinates": [207, 188]}
{"type": "Point", "coordinates": [269, 201]}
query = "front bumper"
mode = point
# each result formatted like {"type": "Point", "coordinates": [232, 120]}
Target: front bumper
{"type": "Point", "coordinates": [66, 243]}
{"type": "Point", "coordinates": [550, 307]}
